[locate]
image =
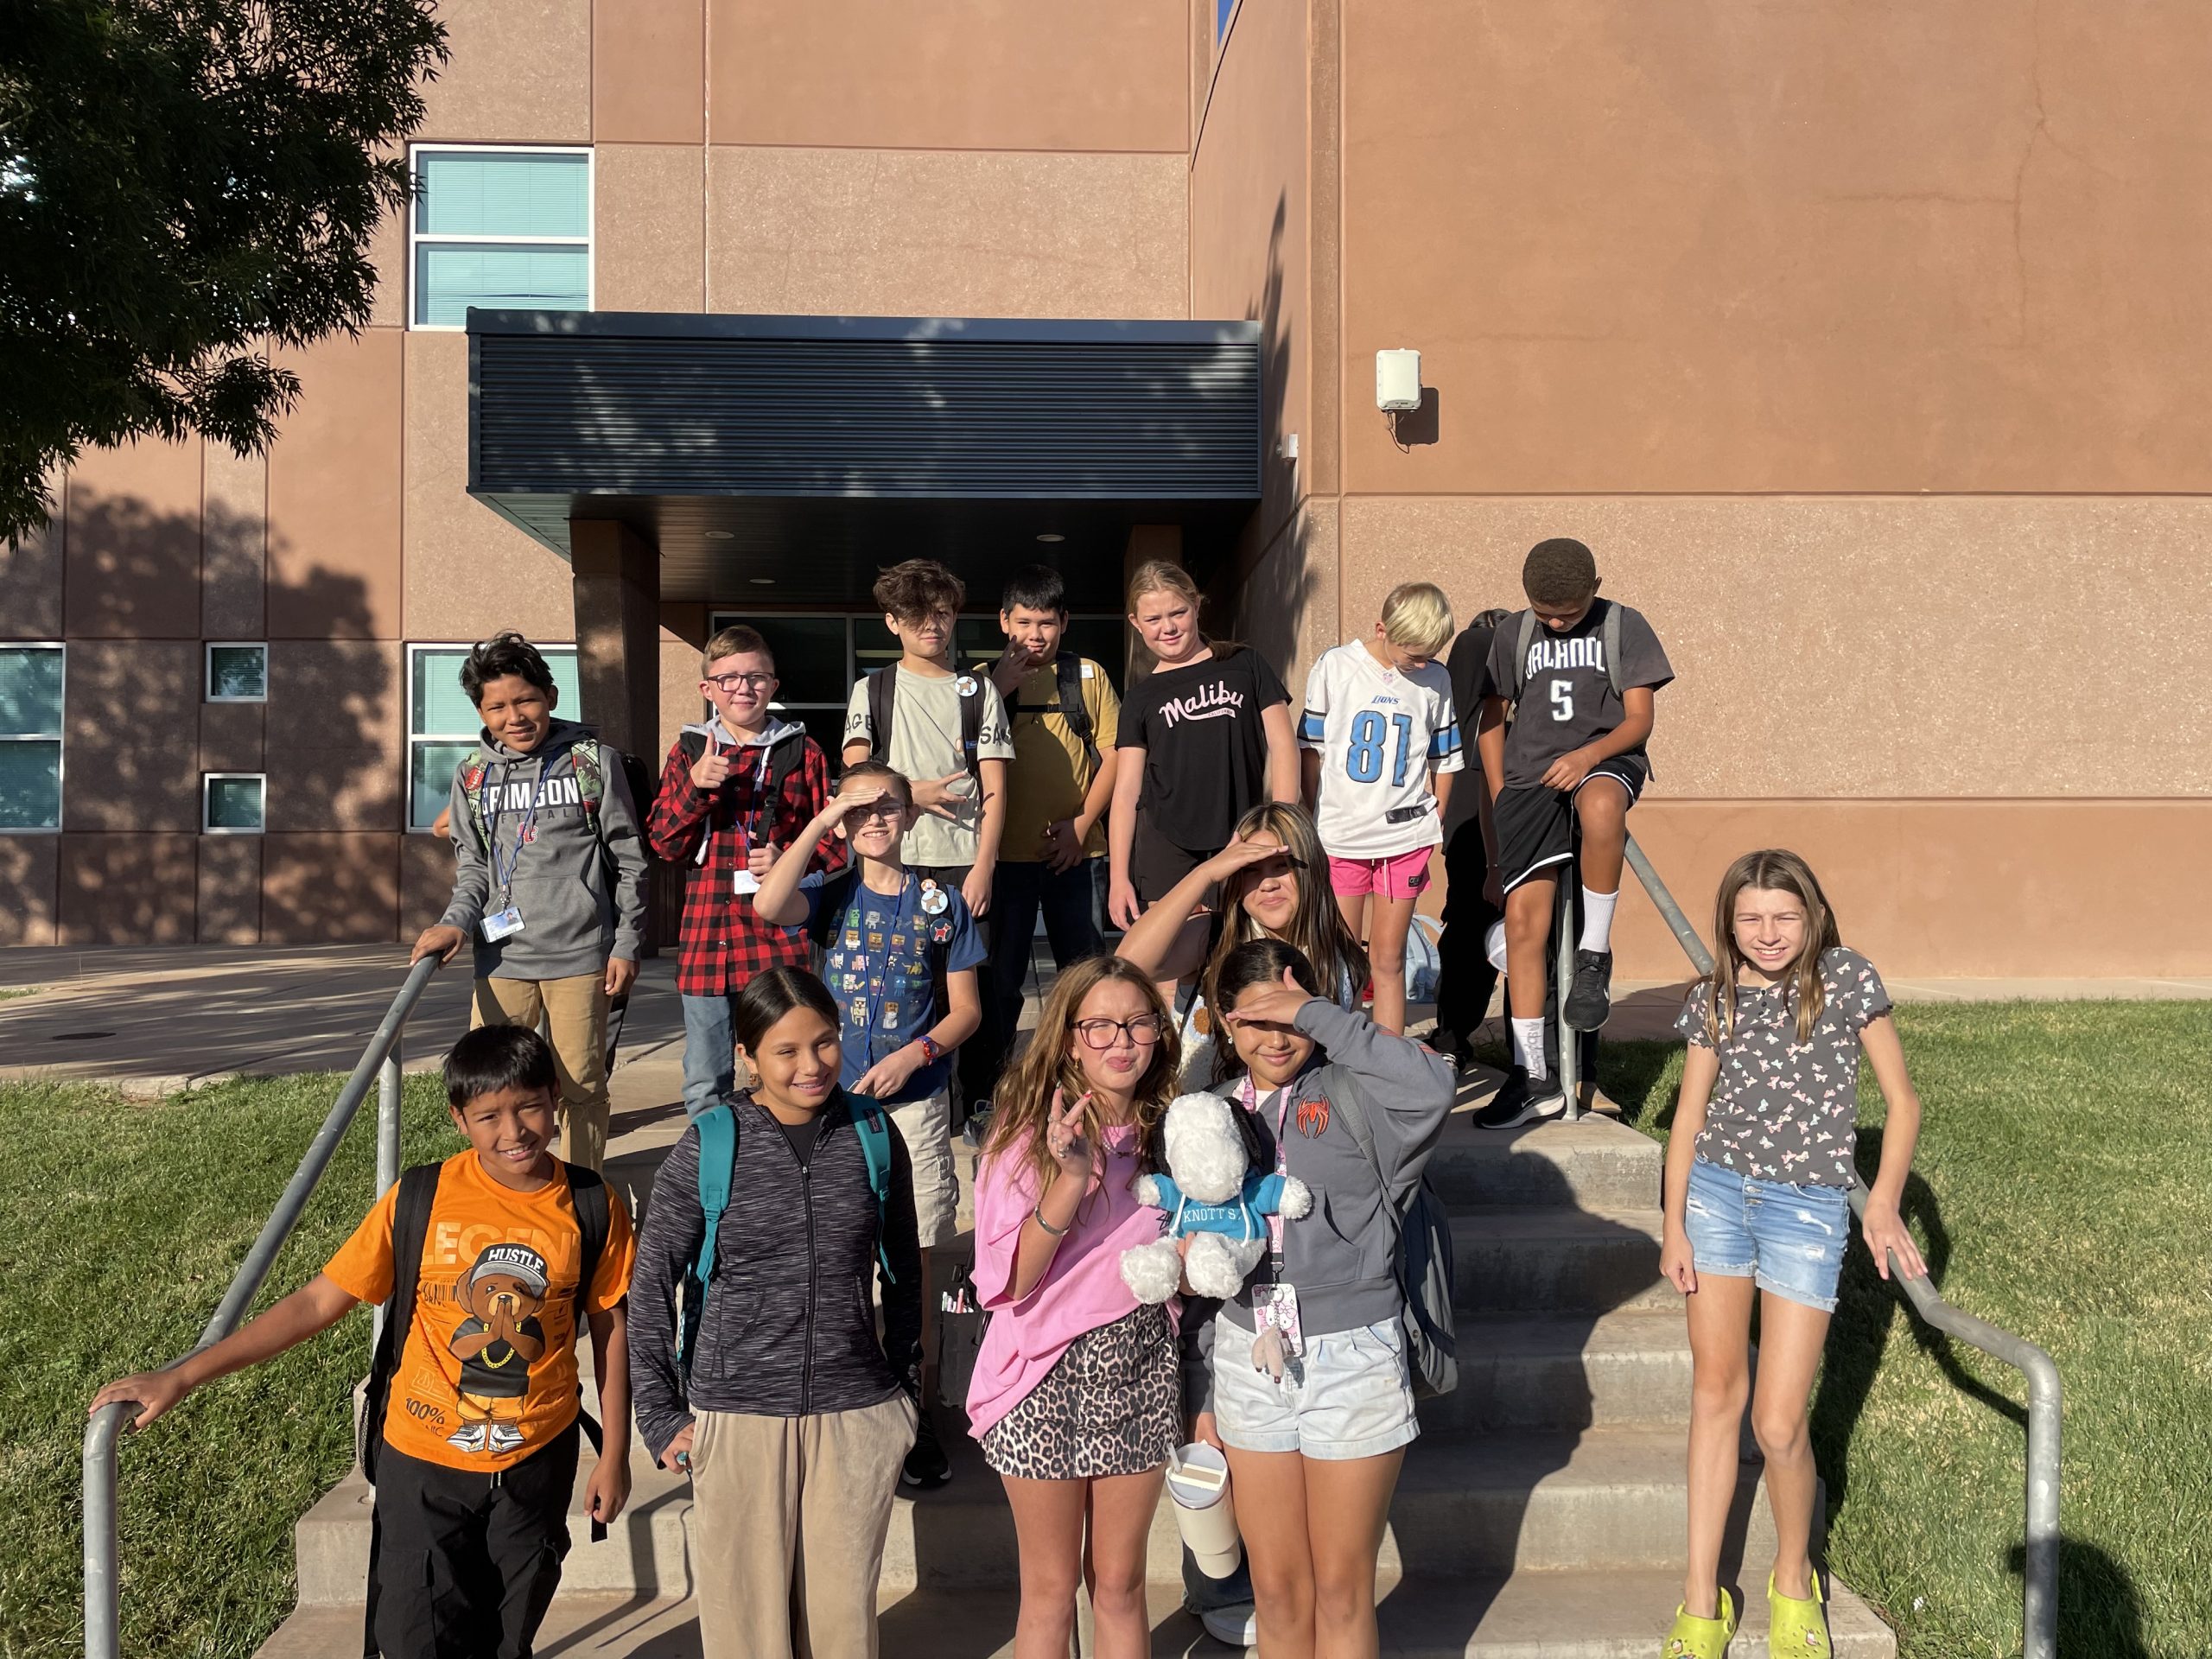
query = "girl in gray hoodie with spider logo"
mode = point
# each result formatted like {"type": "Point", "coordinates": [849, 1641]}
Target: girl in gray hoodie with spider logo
{"type": "Point", "coordinates": [1311, 1396]}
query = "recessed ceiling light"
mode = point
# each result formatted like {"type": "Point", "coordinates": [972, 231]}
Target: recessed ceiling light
{"type": "Point", "coordinates": [720, 534]}
{"type": "Point", "coordinates": [1052, 535]}
{"type": "Point", "coordinates": [764, 582]}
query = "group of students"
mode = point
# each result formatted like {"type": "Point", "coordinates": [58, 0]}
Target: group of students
{"type": "Point", "coordinates": [862, 951]}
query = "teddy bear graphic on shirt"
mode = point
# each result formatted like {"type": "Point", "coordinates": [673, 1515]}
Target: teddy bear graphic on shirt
{"type": "Point", "coordinates": [503, 1291]}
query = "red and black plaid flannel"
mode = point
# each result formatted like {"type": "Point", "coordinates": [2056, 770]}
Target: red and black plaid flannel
{"type": "Point", "coordinates": [724, 943]}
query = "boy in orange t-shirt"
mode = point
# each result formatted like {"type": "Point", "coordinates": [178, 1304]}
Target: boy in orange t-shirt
{"type": "Point", "coordinates": [478, 1453]}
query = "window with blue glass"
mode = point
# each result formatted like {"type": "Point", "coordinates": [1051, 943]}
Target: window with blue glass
{"type": "Point", "coordinates": [504, 229]}
{"type": "Point", "coordinates": [30, 736]}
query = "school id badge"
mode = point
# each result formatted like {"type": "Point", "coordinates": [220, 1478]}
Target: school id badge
{"type": "Point", "coordinates": [501, 925]}
{"type": "Point", "coordinates": [1274, 1317]}
{"type": "Point", "coordinates": [747, 883]}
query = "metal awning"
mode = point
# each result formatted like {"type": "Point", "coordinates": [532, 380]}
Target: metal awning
{"type": "Point", "coordinates": [806, 452]}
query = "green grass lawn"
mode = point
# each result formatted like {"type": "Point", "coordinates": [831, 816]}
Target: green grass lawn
{"type": "Point", "coordinates": [2063, 1190]}
{"type": "Point", "coordinates": [121, 1223]}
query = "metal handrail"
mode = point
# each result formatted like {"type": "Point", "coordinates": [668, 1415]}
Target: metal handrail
{"type": "Point", "coordinates": [379, 1064]}
{"type": "Point", "coordinates": [2040, 1588]}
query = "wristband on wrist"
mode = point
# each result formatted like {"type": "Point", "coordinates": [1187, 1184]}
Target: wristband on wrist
{"type": "Point", "coordinates": [932, 1049]}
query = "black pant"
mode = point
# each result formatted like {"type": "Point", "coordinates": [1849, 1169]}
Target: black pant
{"type": "Point", "coordinates": [1073, 902]}
{"type": "Point", "coordinates": [464, 1566]}
{"type": "Point", "coordinates": [1465, 979]}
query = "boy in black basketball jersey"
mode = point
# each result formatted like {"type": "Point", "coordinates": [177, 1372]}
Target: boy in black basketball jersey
{"type": "Point", "coordinates": [1579, 673]}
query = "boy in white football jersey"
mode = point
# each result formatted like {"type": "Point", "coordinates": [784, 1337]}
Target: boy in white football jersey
{"type": "Point", "coordinates": [1381, 743]}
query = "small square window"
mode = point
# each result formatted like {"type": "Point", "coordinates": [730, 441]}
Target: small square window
{"type": "Point", "coordinates": [238, 673]}
{"type": "Point", "coordinates": [233, 803]}
{"type": "Point", "coordinates": [30, 736]}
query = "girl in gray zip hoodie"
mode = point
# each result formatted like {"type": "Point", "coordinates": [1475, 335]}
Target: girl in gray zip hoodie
{"type": "Point", "coordinates": [1311, 1396]}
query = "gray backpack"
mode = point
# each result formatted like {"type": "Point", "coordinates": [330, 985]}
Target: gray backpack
{"type": "Point", "coordinates": [1421, 1248]}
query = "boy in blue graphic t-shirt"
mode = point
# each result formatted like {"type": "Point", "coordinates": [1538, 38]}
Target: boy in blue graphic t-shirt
{"type": "Point", "coordinates": [902, 951]}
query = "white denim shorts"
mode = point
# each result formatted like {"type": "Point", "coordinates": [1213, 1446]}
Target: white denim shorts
{"type": "Point", "coordinates": [1350, 1394]}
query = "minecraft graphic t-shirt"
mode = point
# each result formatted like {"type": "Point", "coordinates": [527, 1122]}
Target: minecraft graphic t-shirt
{"type": "Point", "coordinates": [1205, 759]}
{"type": "Point", "coordinates": [487, 1374]}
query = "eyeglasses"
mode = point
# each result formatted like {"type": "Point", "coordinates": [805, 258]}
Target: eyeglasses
{"type": "Point", "coordinates": [750, 682]}
{"type": "Point", "coordinates": [1142, 1032]}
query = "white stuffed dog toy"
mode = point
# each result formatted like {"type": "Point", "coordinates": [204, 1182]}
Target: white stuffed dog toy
{"type": "Point", "coordinates": [1215, 1201]}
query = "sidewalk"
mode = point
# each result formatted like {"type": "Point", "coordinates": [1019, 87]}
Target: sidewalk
{"type": "Point", "coordinates": [156, 1017]}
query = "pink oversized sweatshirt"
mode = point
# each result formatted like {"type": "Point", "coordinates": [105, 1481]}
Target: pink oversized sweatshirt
{"type": "Point", "coordinates": [1082, 1291]}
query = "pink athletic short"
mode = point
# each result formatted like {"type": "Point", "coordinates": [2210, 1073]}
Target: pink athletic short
{"type": "Point", "coordinates": [1402, 877]}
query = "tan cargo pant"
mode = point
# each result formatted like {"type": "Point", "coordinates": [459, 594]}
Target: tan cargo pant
{"type": "Point", "coordinates": [788, 1521]}
{"type": "Point", "coordinates": [575, 1010]}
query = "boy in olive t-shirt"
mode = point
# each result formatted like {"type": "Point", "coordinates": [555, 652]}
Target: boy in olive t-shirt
{"type": "Point", "coordinates": [1059, 787]}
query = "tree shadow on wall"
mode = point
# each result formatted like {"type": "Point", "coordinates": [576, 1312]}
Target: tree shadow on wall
{"type": "Point", "coordinates": [141, 733]}
{"type": "Point", "coordinates": [1266, 582]}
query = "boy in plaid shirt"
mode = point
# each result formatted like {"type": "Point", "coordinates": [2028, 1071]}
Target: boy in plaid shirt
{"type": "Point", "coordinates": [733, 791]}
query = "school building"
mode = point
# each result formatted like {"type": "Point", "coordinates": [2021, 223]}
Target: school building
{"type": "Point", "coordinates": [1861, 343]}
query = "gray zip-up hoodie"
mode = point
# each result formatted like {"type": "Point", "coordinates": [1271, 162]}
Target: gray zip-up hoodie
{"type": "Point", "coordinates": [579, 881]}
{"type": "Point", "coordinates": [1339, 1255]}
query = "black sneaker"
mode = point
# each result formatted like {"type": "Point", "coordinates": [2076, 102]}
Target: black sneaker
{"type": "Point", "coordinates": [926, 1464]}
{"type": "Point", "coordinates": [1590, 1000]}
{"type": "Point", "coordinates": [1521, 1099]}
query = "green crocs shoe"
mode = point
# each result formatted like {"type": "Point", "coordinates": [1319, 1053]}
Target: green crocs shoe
{"type": "Point", "coordinates": [1795, 1629]}
{"type": "Point", "coordinates": [1700, 1638]}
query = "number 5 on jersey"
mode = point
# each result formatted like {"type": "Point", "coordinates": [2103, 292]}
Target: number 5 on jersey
{"type": "Point", "coordinates": [1562, 700]}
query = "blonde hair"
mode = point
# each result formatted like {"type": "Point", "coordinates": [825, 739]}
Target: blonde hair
{"type": "Point", "coordinates": [1773, 870]}
{"type": "Point", "coordinates": [1024, 1095]}
{"type": "Point", "coordinates": [1159, 575]}
{"type": "Point", "coordinates": [736, 640]}
{"type": "Point", "coordinates": [1416, 614]}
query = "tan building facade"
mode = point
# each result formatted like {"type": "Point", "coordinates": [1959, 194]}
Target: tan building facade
{"type": "Point", "coordinates": [1859, 345]}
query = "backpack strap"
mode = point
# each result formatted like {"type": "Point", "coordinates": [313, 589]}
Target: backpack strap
{"type": "Point", "coordinates": [971, 724]}
{"type": "Point", "coordinates": [1609, 630]}
{"type": "Point", "coordinates": [1520, 654]}
{"type": "Point", "coordinates": [717, 1164]}
{"type": "Point", "coordinates": [875, 1146]}
{"type": "Point", "coordinates": [587, 1191]}
{"type": "Point", "coordinates": [882, 699]}
{"type": "Point", "coordinates": [471, 791]}
{"type": "Point", "coordinates": [784, 758]}
{"type": "Point", "coordinates": [1067, 667]}
{"type": "Point", "coordinates": [411, 1228]}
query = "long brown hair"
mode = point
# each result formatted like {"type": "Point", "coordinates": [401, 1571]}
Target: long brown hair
{"type": "Point", "coordinates": [1773, 870]}
{"type": "Point", "coordinates": [1025, 1093]}
{"type": "Point", "coordinates": [1317, 929]}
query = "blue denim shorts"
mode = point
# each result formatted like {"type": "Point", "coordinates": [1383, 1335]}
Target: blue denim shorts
{"type": "Point", "coordinates": [1350, 1394]}
{"type": "Point", "coordinates": [1787, 1235]}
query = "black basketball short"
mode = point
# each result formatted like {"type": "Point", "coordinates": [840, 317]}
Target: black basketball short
{"type": "Point", "coordinates": [1156, 864]}
{"type": "Point", "coordinates": [1535, 825]}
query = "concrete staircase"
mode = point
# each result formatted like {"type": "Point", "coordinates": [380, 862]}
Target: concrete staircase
{"type": "Point", "coordinates": [1540, 1514]}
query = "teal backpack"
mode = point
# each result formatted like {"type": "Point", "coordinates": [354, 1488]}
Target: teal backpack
{"type": "Point", "coordinates": [718, 1161]}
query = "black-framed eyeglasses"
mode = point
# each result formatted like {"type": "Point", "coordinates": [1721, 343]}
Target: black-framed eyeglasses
{"type": "Point", "coordinates": [1142, 1032]}
{"type": "Point", "coordinates": [750, 682]}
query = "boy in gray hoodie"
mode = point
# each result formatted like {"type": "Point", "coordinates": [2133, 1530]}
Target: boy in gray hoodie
{"type": "Point", "coordinates": [550, 878]}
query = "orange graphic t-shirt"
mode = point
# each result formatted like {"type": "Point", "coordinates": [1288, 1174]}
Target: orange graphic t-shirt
{"type": "Point", "coordinates": [487, 1374]}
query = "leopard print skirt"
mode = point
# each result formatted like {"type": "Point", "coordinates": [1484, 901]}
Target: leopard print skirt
{"type": "Point", "coordinates": [1112, 1405]}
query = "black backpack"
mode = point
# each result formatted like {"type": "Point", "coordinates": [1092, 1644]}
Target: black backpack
{"type": "Point", "coordinates": [411, 1230]}
{"type": "Point", "coordinates": [882, 703]}
{"type": "Point", "coordinates": [1067, 670]}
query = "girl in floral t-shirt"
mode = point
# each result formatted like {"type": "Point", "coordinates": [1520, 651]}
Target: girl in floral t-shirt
{"type": "Point", "coordinates": [1758, 1171]}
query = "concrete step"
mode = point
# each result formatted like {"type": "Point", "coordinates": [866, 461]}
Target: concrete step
{"type": "Point", "coordinates": [1528, 1616]}
{"type": "Point", "coordinates": [1465, 1504]}
{"type": "Point", "coordinates": [1565, 1371]}
{"type": "Point", "coordinates": [1552, 1262]}
{"type": "Point", "coordinates": [646, 1551]}
{"type": "Point", "coordinates": [1593, 1163]}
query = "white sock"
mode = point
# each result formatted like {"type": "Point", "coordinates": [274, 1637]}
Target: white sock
{"type": "Point", "coordinates": [1494, 946]}
{"type": "Point", "coordinates": [1598, 918]}
{"type": "Point", "coordinates": [1528, 1046]}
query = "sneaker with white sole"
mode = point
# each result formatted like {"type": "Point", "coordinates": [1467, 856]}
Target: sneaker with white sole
{"type": "Point", "coordinates": [1238, 1625]}
{"type": "Point", "coordinates": [1590, 998]}
{"type": "Point", "coordinates": [1521, 1099]}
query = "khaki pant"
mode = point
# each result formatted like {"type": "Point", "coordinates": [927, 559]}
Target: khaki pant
{"type": "Point", "coordinates": [788, 1520]}
{"type": "Point", "coordinates": [926, 1125]}
{"type": "Point", "coordinates": [574, 1009]}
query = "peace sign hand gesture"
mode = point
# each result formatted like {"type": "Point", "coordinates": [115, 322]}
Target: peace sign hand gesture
{"type": "Point", "coordinates": [1064, 1136]}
